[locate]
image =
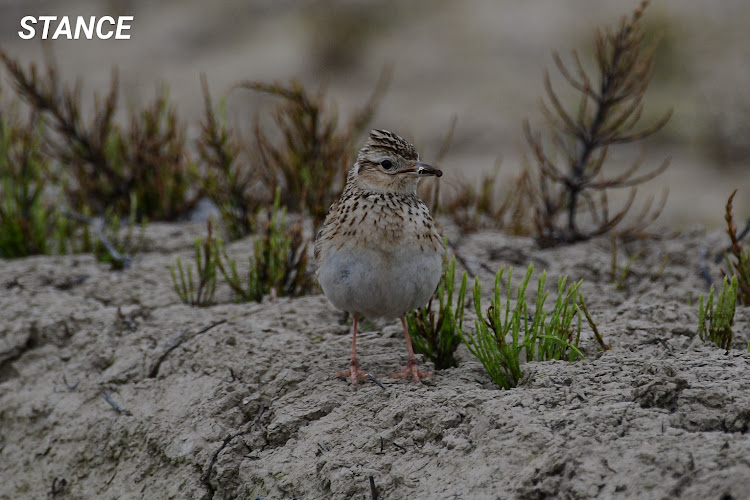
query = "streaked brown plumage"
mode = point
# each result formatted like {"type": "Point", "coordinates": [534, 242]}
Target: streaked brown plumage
{"type": "Point", "coordinates": [379, 253]}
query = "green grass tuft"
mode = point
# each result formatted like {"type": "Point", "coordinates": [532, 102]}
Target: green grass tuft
{"type": "Point", "coordinates": [26, 220]}
{"type": "Point", "coordinates": [277, 266]}
{"type": "Point", "coordinates": [715, 319]}
{"type": "Point", "coordinates": [202, 293]}
{"type": "Point", "coordinates": [509, 333]}
{"type": "Point", "coordinates": [437, 336]}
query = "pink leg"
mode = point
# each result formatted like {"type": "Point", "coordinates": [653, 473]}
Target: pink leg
{"type": "Point", "coordinates": [411, 368]}
{"type": "Point", "coordinates": [353, 372]}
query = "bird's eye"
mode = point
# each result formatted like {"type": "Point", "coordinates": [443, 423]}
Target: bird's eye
{"type": "Point", "coordinates": [386, 164]}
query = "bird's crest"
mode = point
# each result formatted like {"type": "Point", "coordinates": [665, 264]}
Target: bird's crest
{"type": "Point", "coordinates": [383, 140]}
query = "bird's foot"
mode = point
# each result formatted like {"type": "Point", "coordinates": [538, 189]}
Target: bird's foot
{"type": "Point", "coordinates": [353, 373]}
{"type": "Point", "coordinates": [411, 370]}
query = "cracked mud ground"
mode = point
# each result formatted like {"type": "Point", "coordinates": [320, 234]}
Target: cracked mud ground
{"type": "Point", "coordinates": [246, 408]}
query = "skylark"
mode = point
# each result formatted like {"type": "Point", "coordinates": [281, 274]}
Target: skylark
{"type": "Point", "coordinates": [379, 253]}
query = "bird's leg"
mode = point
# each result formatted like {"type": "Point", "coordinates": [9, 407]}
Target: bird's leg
{"type": "Point", "coordinates": [411, 367]}
{"type": "Point", "coordinates": [353, 372]}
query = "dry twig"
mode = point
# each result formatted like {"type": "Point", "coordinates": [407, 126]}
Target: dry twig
{"type": "Point", "coordinates": [175, 342]}
{"type": "Point", "coordinates": [740, 266]}
{"type": "Point", "coordinates": [114, 404]}
{"type": "Point", "coordinates": [309, 165]}
{"type": "Point", "coordinates": [607, 114]}
{"type": "Point", "coordinates": [109, 166]}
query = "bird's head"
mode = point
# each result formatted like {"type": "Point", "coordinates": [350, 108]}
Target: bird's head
{"type": "Point", "coordinates": [388, 163]}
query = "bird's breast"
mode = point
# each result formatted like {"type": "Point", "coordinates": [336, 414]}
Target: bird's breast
{"type": "Point", "coordinates": [377, 282]}
{"type": "Point", "coordinates": [379, 255]}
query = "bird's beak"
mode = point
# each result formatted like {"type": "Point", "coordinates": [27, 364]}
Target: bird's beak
{"type": "Point", "coordinates": [424, 169]}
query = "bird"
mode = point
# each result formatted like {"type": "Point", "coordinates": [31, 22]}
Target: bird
{"type": "Point", "coordinates": [379, 253]}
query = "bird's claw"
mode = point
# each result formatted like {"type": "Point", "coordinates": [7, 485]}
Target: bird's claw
{"type": "Point", "coordinates": [353, 373]}
{"type": "Point", "coordinates": [412, 370]}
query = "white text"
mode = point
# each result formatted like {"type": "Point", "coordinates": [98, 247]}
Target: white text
{"type": "Point", "coordinates": [103, 28]}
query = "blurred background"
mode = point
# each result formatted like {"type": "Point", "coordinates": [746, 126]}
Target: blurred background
{"type": "Point", "coordinates": [480, 60]}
